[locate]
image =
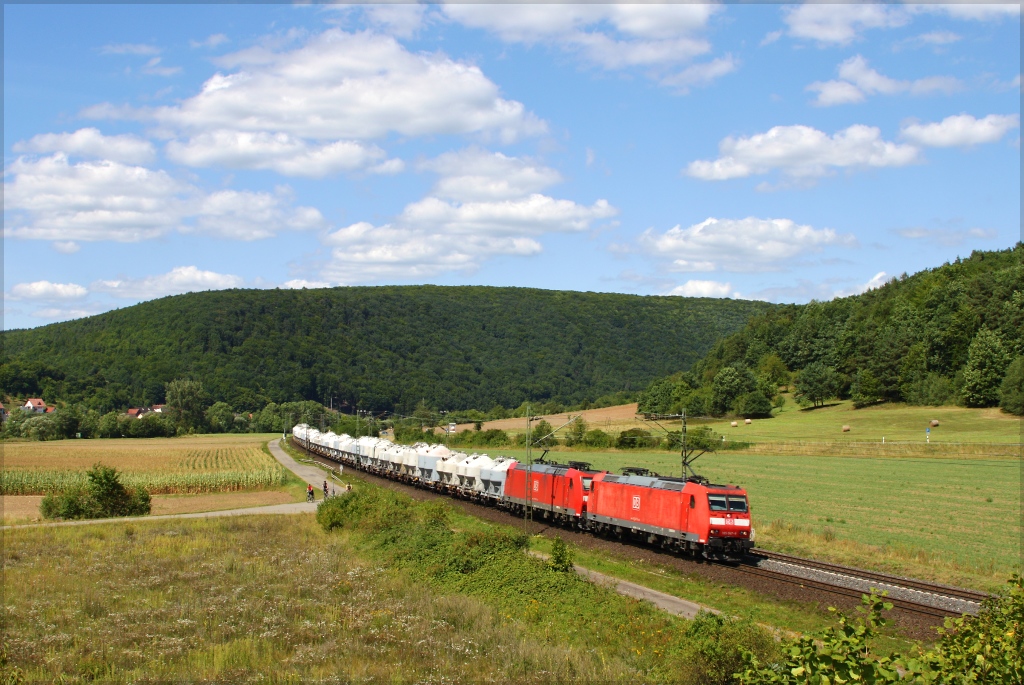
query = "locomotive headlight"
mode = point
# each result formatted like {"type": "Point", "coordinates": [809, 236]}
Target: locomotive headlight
{"type": "Point", "coordinates": [714, 531]}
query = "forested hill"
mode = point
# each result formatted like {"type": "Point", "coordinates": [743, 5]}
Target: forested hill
{"type": "Point", "coordinates": [380, 347]}
{"type": "Point", "coordinates": [945, 334]}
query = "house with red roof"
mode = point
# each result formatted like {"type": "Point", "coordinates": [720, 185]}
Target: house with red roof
{"type": "Point", "coordinates": [34, 405]}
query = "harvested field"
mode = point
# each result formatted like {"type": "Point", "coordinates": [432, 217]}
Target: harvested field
{"type": "Point", "coordinates": [605, 418]}
{"type": "Point", "coordinates": [25, 508]}
{"type": "Point", "coordinates": [161, 465]}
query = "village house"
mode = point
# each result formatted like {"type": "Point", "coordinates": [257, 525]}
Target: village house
{"type": "Point", "coordinates": [34, 405]}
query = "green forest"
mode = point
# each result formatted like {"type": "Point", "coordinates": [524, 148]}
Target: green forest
{"type": "Point", "coordinates": [377, 348]}
{"type": "Point", "coordinates": [952, 334]}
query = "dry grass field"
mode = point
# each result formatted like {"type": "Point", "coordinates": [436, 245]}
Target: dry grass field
{"type": "Point", "coordinates": [162, 465]}
{"type": "Point", "coordinates": [262, 598]}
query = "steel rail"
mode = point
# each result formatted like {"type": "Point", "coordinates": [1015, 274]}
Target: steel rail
{"type": "Point", "coordinates": [896, 581]}
{"type": "Point", "coordinates": [902, 604]}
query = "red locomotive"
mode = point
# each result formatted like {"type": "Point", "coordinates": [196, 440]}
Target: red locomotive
{"type": "Point", "coordinates": [685, 515]}
{"type": "Point", "coordinates": [559, 491]}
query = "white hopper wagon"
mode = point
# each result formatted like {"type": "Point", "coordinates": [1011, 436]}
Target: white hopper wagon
{"type": "Point", "coordinates": [446, 468]}
{"type": "Point", "coordinates": [407, 461]}
{"type": "Point", "coordinates": [469, 472]}
{"type": "Point", "coordinates": [493, 478]}
{"type": "Point", "coordinates": [427, 458]}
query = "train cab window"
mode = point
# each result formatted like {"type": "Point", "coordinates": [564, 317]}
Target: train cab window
{"type": "Point", "coordinates": [737, 504]}
{"type": "Point", "coordinates": [570, 485]}
{"type": "Point", "coordinates": [693, 502]}
{"type": "Point", "coordinates": [717, 503]}
{"type": "Point", "coordinates": [587, 482]}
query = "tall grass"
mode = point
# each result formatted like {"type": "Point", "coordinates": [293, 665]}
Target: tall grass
{"type": "Point", "coordinates": [277, 599]}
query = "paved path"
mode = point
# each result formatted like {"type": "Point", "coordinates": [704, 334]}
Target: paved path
{"type": "Point", "coordinates": [665, 602]}
{"type": "Point", "coordinates": [307, 472]}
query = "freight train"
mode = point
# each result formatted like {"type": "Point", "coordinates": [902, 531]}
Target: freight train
{"type": "Point", "coordinates": [690, 516]}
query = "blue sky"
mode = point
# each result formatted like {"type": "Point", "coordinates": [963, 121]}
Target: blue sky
{"type": "Point", "coordinates": [785, 153]}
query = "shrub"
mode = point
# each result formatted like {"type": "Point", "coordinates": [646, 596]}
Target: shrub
{"type": "Point", "coordinates": [103, 496]}
{"type": "Point", "coordinates": [754, 405]}
{"type": "Point", "coordinates": [636, 438]}
{"type": "Point", "coordinates": [561, 556]}
{"type": "Point", "coordinates": [714, 647]}
{"type": "Point", "coordinates": [597, 438]}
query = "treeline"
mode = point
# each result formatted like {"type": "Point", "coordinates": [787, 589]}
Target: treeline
{"type": "Point", "coordinates": [189, 409]}
{"type": "Point", "coordinates": [372, 348]}
{"type": "Point", "coordinates": [953, 334]}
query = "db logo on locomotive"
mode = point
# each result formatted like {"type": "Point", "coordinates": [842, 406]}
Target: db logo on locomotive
{"type": "Point", "coordinates": [636, 502]}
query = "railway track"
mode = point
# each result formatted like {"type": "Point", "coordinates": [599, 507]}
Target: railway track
{"type": "Point", "coordinates": [931, 588]}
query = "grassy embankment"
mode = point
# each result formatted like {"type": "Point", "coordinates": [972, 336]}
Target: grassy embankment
{"type": "Point", "coordinates": [911, 509]}
{"type": "Point", "coordinates": [196, 473]}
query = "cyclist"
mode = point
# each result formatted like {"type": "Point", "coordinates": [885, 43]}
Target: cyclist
{"type": "Point", "coordinates": [325, 489]}
{"type": "Point", "coordinates": [309, 493]}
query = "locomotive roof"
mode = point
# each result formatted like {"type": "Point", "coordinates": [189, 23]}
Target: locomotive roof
{"type": "Point", "coordinates": [555, 469]}
{"type": "Point", "coordinates": [675, 484]}
{"type": "Point", "coordinates": [661, 482]}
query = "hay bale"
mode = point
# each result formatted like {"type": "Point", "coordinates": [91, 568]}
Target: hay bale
{"type": "Point", "coordinates": [747, 422]}
{"type": "Point", "coordinates": [934, 423]}
{"type": "Point", "coordinates": [846, 429]}
{"type": "Point", "coordinates": [734, 424]}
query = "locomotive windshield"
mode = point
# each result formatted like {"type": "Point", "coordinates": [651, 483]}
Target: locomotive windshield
{"type": "Point", "coordinates": [737, 504]}
{"type": "Point", "coordinates": [587, 482]}
{"type": "Point", "coordinates": [717, 503]}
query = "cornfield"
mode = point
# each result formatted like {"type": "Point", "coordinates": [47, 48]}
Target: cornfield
{"type": "Point", "coordinates": [162, 466]}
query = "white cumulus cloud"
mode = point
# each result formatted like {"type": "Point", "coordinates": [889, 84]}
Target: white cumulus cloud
{"type": "Point", "coordinates": [45, 290]}
{"type": "Point", "coordinates": [739, 245]}
{"type": "Point", "coordinates": [613, 36]}
{"type": "Point", "coordinates": [961, 130]}
{"type": "Point", "coordinates": [703, 289]}
{"type": "Point", "coordinates": [89, 142]}
{"type": "Point", "coordinates": [802, 151]}
{"type": "Point", "coordinates": [245, 215]}
{"type": "Point", "coordinates": [476, 174]}
{"type": "Point", "coordinates": [280, 152]}
{"type": "Point", "coordinates": [344, 86]}
{"type": "Point", "coordinates": [483, 205]}
{"type": "Point", "coordinates": [182, 279]}
{"type": "Point", "coordinates": [857, 80]}
{"type": "Point", "coordinates": [840, 23]}
{"type": "Point", "coordinates": [53, 199]}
